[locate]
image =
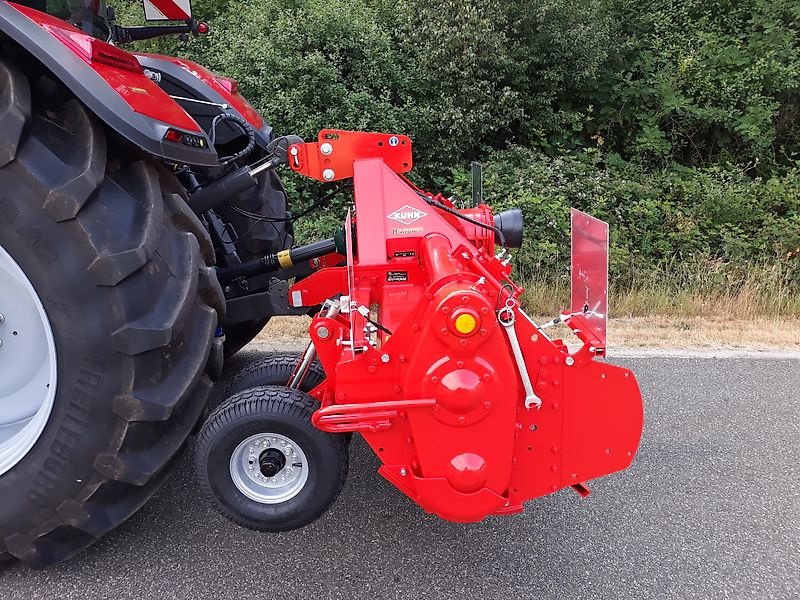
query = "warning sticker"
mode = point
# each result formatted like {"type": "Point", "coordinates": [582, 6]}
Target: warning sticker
{"type": "Point", "coordinates": [394, 276]}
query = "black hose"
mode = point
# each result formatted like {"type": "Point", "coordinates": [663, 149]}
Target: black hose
{"type": "Point", "coordinates": [246, 128]}
{"type": "Point", "coordinates": [455, 213]}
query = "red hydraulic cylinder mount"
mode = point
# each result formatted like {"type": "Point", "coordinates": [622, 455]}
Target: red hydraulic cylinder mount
{"type": "Point", "coordinates": [332, 157]}
{"type": "Point", "coordinates": [470, 406]}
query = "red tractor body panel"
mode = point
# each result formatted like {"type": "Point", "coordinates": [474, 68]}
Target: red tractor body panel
{"type": "Point", "coordinates": [118, 68]}
{"type": "Point", "coordinates": [111, 83]}
{"type": "Point", "coordinates": [225, 87]}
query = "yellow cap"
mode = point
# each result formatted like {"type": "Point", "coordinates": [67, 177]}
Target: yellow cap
{"type": "Point", "coordinates": [465, 323]}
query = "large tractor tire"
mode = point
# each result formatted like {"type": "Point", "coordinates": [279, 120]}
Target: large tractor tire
{"type": "Point", "coordinates": [109, 311]}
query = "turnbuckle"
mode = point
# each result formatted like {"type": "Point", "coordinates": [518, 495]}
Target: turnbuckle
{"type": "Point", "coordinates": [507, 318]}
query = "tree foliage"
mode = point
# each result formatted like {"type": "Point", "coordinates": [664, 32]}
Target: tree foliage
{"type": "Point", "coordinates": [679, 121]}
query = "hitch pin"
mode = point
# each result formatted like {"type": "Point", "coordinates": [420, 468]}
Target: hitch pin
{"type": "Point", "coordinates": [507, 319]}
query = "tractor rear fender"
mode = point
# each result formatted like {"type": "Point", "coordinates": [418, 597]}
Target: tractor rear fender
{"type": "Point", "coordinates": [182, 78]}
{"type": "Point", "coordinates": [122, 97]}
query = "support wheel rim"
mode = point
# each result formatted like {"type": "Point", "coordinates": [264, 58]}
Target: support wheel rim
{"type": "Point", "coordinates": [28, 363]}
{"type": "Point", "coordinates": [269, 468]}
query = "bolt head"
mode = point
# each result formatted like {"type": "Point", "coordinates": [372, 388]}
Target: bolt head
{"type": "Point", "coordinates": [403, 472]}
{"type": "Point", "coordinates": [323, 332]}
{"type": "Point", "coordinates": [328, 174]}
{"type": "Point", "coordinates": [384, 358]}
{"type": "Point", "coordinates": [326, 148]}
{"type": "Point", "coordinates": [569, 361]}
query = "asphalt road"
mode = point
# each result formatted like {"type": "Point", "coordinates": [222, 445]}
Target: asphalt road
{"type": "Point", "coordinates": [710, 509]}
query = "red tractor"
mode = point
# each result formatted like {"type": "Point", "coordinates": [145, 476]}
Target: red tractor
{"type": "Point", "coordinates": [145, 235]}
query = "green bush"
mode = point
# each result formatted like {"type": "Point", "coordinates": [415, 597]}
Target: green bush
{"type": "Point", "coordinates": [657, 218]}
{"type": "Point", "coordinates": [658, 82]}
{"type": "Point", "coordinates": [701, 81]}
{"type": "Point", "coordinates": [678, 122]}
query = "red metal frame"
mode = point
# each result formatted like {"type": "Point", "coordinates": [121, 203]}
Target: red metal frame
{"type": "Point", "coordinates": [332, 157]}
{"type": "Point", "coordinates": [442, 407]}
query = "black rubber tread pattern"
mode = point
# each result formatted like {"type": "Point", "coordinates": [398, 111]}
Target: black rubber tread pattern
{"type": "Point", "coordinates": [274, 368]}
{"type": "Point", "coordinates": [270, 402]}
{"type": "Point", "coordinates": [123, 272]}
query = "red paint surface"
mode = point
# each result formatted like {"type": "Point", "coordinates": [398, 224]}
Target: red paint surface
{"type": "Point", "coordinates": [170, 10]}
{"type": "Point", "coordinates": [444, 411]}
{"type": "Point", "coordinates": [228, 91]}
{"type": "Point", "coordinates": [141, 94]}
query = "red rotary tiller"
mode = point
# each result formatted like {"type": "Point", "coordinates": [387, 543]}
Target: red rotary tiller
{"type": "Point", "coordinates": [422, 346]}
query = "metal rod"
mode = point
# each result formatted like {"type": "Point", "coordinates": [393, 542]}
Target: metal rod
{"type": "Point", "coordinates": [310, 353]}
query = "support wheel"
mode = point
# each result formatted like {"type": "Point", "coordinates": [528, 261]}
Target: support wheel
{"type": "Point", "coordinates": [275, 368]}
{"type": "Point", "coordinates": [264, 465]}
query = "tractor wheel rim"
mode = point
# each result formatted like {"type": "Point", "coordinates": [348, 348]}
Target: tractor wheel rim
{"type": "Point", "coordinates": [27, 364]}
{"type": "Point", "coordinates": [269, 468]}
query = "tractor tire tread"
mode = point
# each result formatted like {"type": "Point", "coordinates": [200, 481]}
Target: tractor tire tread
{"type": "Point", "coordinates": [154, 262]}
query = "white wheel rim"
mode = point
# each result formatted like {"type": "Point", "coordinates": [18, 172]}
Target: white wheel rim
{"type": "Point", "coordinates": [282, 485]}
{"type": "Point", "coordinates": [27, 364]}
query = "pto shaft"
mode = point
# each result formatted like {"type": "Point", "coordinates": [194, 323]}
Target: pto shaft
{"type": "Point", "coordinates": [277, 261]}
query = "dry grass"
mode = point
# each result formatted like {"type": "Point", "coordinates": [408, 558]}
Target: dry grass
{"type": "Point", "coordinates": [709, 289]}
{"type": "Point", "coordinates": [703, 332]}
{"type": "Point", "coordinates": [702, 304]}
{"type": "Point", "coordinates": [285, 329]}
{"type": "Point", "coordinates": [651, 332]}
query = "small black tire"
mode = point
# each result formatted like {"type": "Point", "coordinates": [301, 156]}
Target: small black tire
{"type": "Point", "coordinates": [264, 411]}
{"type": "Point", "coordinates": [275, 368]}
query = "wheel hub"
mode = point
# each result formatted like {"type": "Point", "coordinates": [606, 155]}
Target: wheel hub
{"type": "Point", "coordinates": [271, 462]}
{"type": "Point", "coordinates": [269, 468]}
{"type": "Point", "coordinates": [27, 362]}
